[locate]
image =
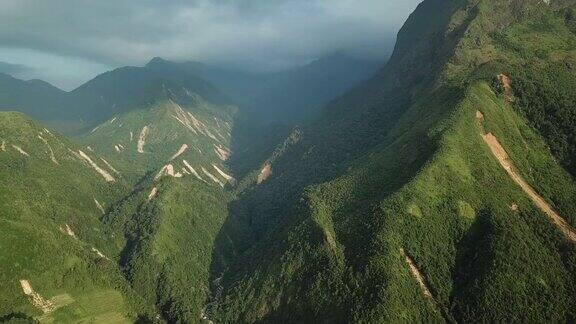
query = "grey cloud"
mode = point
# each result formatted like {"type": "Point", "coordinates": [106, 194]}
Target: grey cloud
{"type": "Point", "coordinates": [13, 69]}
{"type": "Point", "coordinates": [264, 34]}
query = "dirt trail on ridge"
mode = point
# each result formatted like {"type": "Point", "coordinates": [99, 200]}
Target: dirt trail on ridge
{"type": "Point", "coordinates": [504, 160]}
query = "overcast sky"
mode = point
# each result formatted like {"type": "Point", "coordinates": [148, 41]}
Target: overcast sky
{"type": "Point", "coordinates": [67, 42]}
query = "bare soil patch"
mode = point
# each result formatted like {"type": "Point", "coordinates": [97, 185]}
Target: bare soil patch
{"type": "Point", "coordinates": [142, 139]}
{"type": "Point", "coordinates": [38, 301]}
{"type": "Point", "coordinates": [95, 166]}
{"type": "Point", "coordinates": [180, 151]}
{"type": "Point", "coordinates": [264, 173]}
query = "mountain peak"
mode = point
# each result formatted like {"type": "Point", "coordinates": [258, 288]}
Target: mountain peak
{"type": "Point", "coordinates": [157, 61]}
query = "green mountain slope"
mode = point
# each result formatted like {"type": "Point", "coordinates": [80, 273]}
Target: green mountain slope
{"type": "Point", "coordinates": [174, 150]}
{"type": "Point", "coordinates": [128, 249]}
{"type": "Point", "coordinates": [112, 93]}
{"type": "Point", "coordinates": [57, 264]}
{"type": "Point", "coordinates": [130, 88]}
{"type": "Point", "coordinates": [177, 123]}
{"type": "Point", "coordinates": [441, 190]}
{"type": "Point", "coordinates": [166, 230]}
{"type": "Point", "coordinates": [394, 206]}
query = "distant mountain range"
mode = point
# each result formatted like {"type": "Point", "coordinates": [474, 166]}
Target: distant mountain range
{"type": "Point", "coordinates": [289, 96]}
{"type": "Point", "coordinates": [292, 95]}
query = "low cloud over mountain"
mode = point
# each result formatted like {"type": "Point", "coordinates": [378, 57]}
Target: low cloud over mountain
{"type": "Point", "coordinates": [263, 35]}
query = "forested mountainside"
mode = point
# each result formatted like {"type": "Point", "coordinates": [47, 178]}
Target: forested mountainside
{"type": "Point", "coordinates": [285, 97]}
{"type": "Point", "coordinates": [34, 98]}
{"type": "Point", "coordinates": [440, 190]}
{"type": "Point", "coordinates": [130, 88]}
{"type": "Point", "coordinates": [175, 151]}
{"type": "Point", "coordinates": [435, 192]}
{"type": "Point", "coordinates": [176, 124]}
{"type": "Point", "coordinates": [144, 188]}
{"type": "Point", "coordinates": [57, 262]}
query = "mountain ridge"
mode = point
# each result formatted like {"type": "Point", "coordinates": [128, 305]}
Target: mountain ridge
{"type": "Point", "coordinates": [327, 225]}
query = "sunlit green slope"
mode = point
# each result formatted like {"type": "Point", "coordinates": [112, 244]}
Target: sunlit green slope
{"type": "Point", "coordinates": [127, 220]}
{"type": "Point", "coordinates": [176, 125]}
{"type": "Point", "coordinates": [174, 149]}
{"type": "Point", "coordinates": [57, 262]}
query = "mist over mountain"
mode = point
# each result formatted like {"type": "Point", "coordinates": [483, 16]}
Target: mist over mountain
{"type": "Point", "coordinates": [249, 35]}
{"type": "Point", "coordinates": [12, 69]}
{"type": "Point", "coordinates": [289, 95]}
{"type": "Point", "coordinates": [435, 184]}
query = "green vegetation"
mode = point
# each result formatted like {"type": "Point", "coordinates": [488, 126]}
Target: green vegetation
{"type": "Point", "coordinates": [37, 99]}
{"type": "Point", "coordinates": [390, 207]}
{"type": "Point", "coordinates": [95, 246]}
{"type": "Point", "coordinates": [169, 242]}
{"type": "Point", "coordinates": [357, 223]}
{"type": "Point", "coordinates": [326, 229]}
{"type": "Point", "coordinates": [168, 128]}
{"type": "Point", "coordinates": [546, 95]}
{"type": "Point", "coordinates": [109, 94]}
{"type": "Point", "coordinates": [39, 201]}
